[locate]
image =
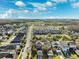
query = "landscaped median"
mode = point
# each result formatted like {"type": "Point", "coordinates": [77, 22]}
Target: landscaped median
{"type": "Point", "coordinates": [29, 55]}
{"type": "Point", "coordinates": [20, 55]}
{"type": "Point", "coordinates": [21, 46]}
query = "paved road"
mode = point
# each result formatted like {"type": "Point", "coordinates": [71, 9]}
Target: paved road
{"type": "Point", "coordinates": [29, 37]}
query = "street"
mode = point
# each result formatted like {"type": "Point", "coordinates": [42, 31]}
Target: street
{"type": "Point", "coordinates": [29, 37]}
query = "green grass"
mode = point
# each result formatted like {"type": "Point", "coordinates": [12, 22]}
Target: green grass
{"type": "Point", "coordinates": [35, 57]}
{"type": "Point", "coordinates": [74, 56]}
{"type": "Point", "coordinates": [20, 55]}
{"type": "Point", "coordinates": [56, 57]}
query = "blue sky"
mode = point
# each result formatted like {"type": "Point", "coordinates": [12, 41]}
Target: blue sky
{"type": "Point", "coordinates": [39, 9]}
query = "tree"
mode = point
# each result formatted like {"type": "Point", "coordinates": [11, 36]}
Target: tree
{"type": "Point", "coordinates": [34, 50]}
{"type": "Point", "coordinates": [66, 38]}
{"type": "Point", "coordinates": [62, 29]}
{"type": "Point", "coordinates": [45, 50]}
{"type": "Point", "coordinates": [49, 37]}
{"type": "Point", "coordinates": [41, 39]}
{"type": "Point", "coordinates": [34, 38]}
{"type": "Point", "coordinates": [55, 38]}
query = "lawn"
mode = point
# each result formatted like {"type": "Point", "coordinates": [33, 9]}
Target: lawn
{"type": "Point", "coordinates": [56, 57]}
{"type": "Point", "coordinates": [74, 56]}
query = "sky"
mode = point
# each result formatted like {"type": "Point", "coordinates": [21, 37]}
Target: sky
{"type": "Point", "coordinates": [39, 9]}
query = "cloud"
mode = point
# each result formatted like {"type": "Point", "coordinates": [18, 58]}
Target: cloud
{"type": "Point", "coordinates": [42, 6]}
{"type": "Point", "coordinates": [60, 17]}
{"type": "Point", "coordinates": [49, 3]}
{"type": "Point", "coordinates": [26, 11]}
{"type": "Point", "coordinates": [35, 11]}
{"type": "Point", "coordinates": [13, 13]}
{"type": "Point", "coordinates": [20, 3]}
{"type": "Point", "coordinates": [7, 14]}
{"type": "Point", "coordinates": [75, 5]}
{"type": "Point", "coordinates": [72, 0]}
{"type": "Point", "coordinates": [2, 16]}
{"type": "Point", "coordinates": [59, 1]}
{"type": "Point", "coordinates": [39, 6]}
{"type": "Point", "coordinates": [22, 17]}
